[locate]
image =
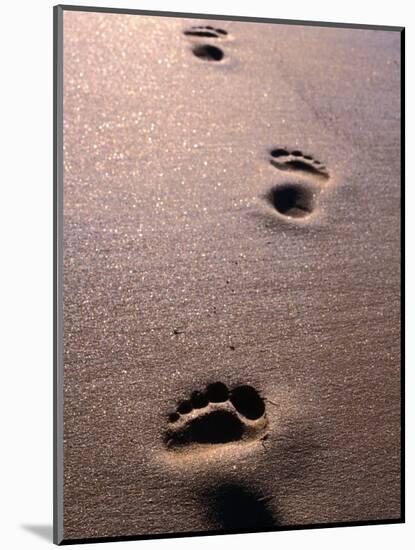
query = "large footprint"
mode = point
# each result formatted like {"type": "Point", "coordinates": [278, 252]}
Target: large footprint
{"type": "Point", "coordinates": [217, 416]}
{"type": "Point", "coordinates": [297, 198]}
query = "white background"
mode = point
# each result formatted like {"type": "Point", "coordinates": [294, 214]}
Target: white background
{"type": "Point", "coordinates": [26, 270]}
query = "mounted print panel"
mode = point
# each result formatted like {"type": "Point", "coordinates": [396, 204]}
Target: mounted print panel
{"type": "Point", "coordinates": [228, 275]}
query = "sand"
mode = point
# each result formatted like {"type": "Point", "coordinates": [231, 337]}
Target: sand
{"type": "Point", "coordinates": [232, 221]}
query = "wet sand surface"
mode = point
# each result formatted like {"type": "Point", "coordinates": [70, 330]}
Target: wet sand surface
{"type": "Point", "coordinates": [179, 272]}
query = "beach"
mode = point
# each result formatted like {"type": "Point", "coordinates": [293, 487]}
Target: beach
{"type": "Point", "coordinates": [231, 216]}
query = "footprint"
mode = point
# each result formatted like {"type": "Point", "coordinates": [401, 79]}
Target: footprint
{"type": "Point", "coordinates": [217, 416]}
{"type": "Point", "coordinates": [295, 161]}
{"type": "Point", "coordinates": [205, 32]}
{"type": "Point", "coordinates": [296, 198]}
{"type": "Point", "coordinates": [206, 52]}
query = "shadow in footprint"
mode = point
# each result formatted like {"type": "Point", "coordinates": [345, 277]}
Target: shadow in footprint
{"type": "Point", "coordinates": [208, 52]}
{"type": "Point", "coordinates": [235, 507]}
{"type": "Point", "coordinates": [294, 200]}
{"type": "Point", "coordinates": [217, 427]}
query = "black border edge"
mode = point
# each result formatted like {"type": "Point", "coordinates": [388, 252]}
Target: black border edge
{"type": "Point", "coordinates": [97, 9]}
{"type": "Point", "coordinates": [58, 263]}
{"type": "Point", "coordinates": [402, 68]}
{"type": "Point", "coordinates": [57, 274]}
